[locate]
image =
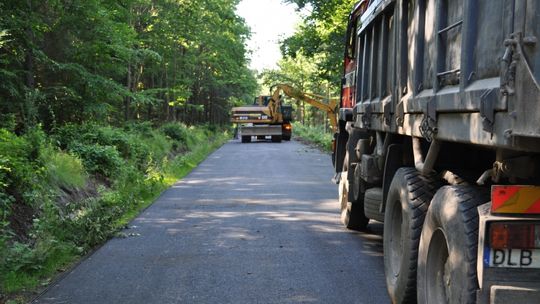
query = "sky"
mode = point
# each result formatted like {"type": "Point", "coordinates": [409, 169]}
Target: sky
{"type": "Point", "coordinates": [270, 21]}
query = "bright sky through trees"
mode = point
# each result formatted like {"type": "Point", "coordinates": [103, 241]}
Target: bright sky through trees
{"type": "Point", "coordinates": [269, 20]}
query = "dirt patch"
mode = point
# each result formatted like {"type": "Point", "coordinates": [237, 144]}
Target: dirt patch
{"type": "Point", "coordinates": [20, 220]}
{"type": "Point", "coordinates": [76, 195]}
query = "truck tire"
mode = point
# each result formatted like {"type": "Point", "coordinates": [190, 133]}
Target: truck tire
{"type": "Point", "coordinates": [448, 246]}
{"type": "Point", "coordinates": [372, 203]}
{"type": "Point", "coordinates": [246, 139]}
{"type": "Point", "coordinates": [358, 185]}
{"type": "Point", "coordinates": [287, 137]}
{"type": "Point", "coordinates": [407, 202]}
{"type": "Point", "coordinates": [352, 213]}
{"type": "Point", "coordinates": [276, 138]}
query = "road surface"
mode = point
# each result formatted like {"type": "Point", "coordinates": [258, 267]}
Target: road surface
{"type": "Point", "coordinates": [253, 223]}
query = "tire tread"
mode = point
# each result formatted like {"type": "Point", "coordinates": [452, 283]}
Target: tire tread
{"type": "Point", "coordinates": [421, 190]}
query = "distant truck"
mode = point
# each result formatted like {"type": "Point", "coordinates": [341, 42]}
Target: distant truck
{"type": "Point", "coordinates": [267, 116]}
{"type": "Point", "coordinates": [439, 138]}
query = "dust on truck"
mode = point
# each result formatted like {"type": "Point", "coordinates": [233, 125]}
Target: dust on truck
{"type": "Point", "coordinates": [439, 138]}
{"type": "Point", "coordinates": [267, 116]}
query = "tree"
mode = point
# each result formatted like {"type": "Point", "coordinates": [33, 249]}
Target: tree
{"type": "Point", "coordinates": [321, 36]}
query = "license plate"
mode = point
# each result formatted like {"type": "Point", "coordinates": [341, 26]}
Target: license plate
{"type": "Point", "coordinates": [514, 258]}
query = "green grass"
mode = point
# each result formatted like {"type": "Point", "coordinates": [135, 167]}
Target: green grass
{"type": "Point", "coordinates": [64, 169]}
{"type": "Point", "coordinates": [315, 135]}
{"type": "Point", "coordinates": [61, 256]}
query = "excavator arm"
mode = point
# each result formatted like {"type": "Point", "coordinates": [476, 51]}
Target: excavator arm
{"type": "Point", "coordinates": [312, 99]}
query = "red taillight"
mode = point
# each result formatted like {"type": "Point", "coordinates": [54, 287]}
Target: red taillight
{"type": "Point", "coordinates": [504, 235]}
{"type": "Point", "coordinates": [288, 127]}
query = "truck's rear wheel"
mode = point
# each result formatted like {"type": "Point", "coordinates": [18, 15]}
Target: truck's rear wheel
{"type": "Point", "coordinates": [246, 139]}
{"type": "Point", "coordinates": [352, 213]}
{"type": "Point", "coordinates": [448, 247]}
{"type": "Point", "coordinates": [406, 205]}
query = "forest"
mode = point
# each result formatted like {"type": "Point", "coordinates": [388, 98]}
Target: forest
{"type": "Point", "coordinates": [114, 61]}
{"type": "Point", "coordinates": [105, 103]}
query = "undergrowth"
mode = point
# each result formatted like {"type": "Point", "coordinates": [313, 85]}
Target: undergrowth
{"type": "Point", "coordinates": [316, 135]}
{"type": "Point", "coordinates": [64, 193]}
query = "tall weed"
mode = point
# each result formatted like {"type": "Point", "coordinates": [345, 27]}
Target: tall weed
{"type": "Point", "coordinates": [63, 169]}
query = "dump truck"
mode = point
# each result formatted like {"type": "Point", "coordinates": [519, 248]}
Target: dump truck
{"type": "Point", "coordinates": [267, 116]}
{"type": "Point", "coordinates": [439, 138]}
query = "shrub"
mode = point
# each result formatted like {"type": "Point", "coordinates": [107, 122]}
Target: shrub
{"type": "Point", "coordinates": [158, 143]}
{"type": "Point", "coordinates": [19, 170]}
{"type": "Point", "coordinates": [175, 131]}
{"type": "Point", "coordinates": [97, 159]}
{"type": "Point", "coordinates": [71, 134]}
{"type": "Point", "coordinates": [142, 128]}
{"type": "Point", "coordinates": [94, 221]}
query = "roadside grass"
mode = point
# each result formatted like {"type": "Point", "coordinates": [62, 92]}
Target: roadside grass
{"type": "Point", "coordinates": [63, 195]}
{"type": "Point", "coordinates": [315, 135]}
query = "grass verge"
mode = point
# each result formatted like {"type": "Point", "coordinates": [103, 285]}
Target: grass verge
{"type": "Point", "coordinates": [314, 135]}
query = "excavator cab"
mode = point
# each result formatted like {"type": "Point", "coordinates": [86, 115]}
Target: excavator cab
{"type": "Point", "coordinates": [262, 101]}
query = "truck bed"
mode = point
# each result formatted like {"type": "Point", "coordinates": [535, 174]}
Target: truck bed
{"type": "Point", "coordinates": [453, 77]}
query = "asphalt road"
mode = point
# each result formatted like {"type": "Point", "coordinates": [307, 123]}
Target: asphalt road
{"type": "Point", "coordinates": [254, 223]}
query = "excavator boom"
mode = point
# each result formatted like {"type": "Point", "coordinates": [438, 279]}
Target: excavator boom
{"type": "Point", "coordinates": [317, 101]}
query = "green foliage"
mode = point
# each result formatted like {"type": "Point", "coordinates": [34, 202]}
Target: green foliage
{"type": "Point", "coordinates": [19, 171]}
{"type": "Point", "coordinates": [175, 131]}
{"type": "Point", "coordinates": [26, 264]}
{"type": "Point", "coordinates": [103, 160]}
{"type": "Point", "coordinates": [315, 135]}
{"type": "Point", "coordinates": [138, 143]}
{"type": "Point", "coordinates": [321, 37]}
{"type": "Point", "coordinates": [85, 60]}
{"type": "Point", "coordinates": [63, 169]}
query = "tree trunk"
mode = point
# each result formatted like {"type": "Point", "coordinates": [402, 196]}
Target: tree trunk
{"type": "Point", "coordinates": [127, 99]}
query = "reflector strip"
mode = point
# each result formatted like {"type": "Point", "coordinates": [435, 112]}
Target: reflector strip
{"type": "Point", "coordinates": [515, 199]}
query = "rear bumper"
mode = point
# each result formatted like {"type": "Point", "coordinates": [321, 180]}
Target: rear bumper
{"type": "Point", "coordinates": [260, 130]}
{"type": "Point", "coordinates": [516, 294]}
{"type": "Point", "coordinates": [503, 285]}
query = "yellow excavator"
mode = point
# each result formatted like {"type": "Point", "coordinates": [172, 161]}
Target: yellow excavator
{"type": "Point", "coordinates": [268, 116]}
{"type": "Point", "coordinates": [318, 101]}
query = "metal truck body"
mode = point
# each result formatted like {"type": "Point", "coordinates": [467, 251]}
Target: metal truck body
{"type": "Point", "coordinates": [439, 137]}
